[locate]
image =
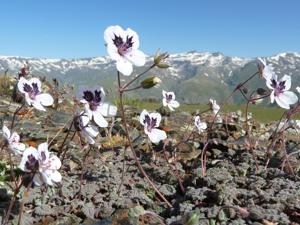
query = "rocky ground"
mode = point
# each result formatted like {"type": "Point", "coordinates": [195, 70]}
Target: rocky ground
{"type": "Point", "coordinates": [237, 189]}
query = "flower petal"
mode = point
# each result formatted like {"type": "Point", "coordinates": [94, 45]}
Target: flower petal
{"type": "Point", "coordinates": [298, 89]}
{"type": "Point", "coordinates": [113, 52]}
{"type": "Point", "coordinates": [281, 103]}
{"type": "Point", "coordinates": [156, 116]}
{"type": "Point", "coordinates": [164, 102]}
{"type": "Point", "coordinates": [55, 163]}
{"type": "Point", "coordinates": [56, 177]}
{"type": "Point", "coordinates": [142, 116]}
{"type": "Point", "coordinates": [84, 119]}
{"type": "Point", "coordinates": [38, 179]}
{"type": "Point", "coordinates": [288, 98]}
{"type": "Point", "coordinates": [45, 99]}
{"type": "Point", "coordinates": [38, 105]}
{"type": "Point", "coordinates": [36, 81]}
{"type": "Point", "coordinates": [136, 57]}
{"type": "Point", "coordinates": [89, 139]}
{"type": "Point", "coordinates": [174, 104]}
{"type": "Point", "coordinates": [99, 119]}
{"type": "Point", "coordinates": [28, 151]}
{"type": "Point", "coordinates": [21, 84]}
{"type": "Point", "coordinates": [157, 135]}
{"type": "Point", "coordinates": [14, 138]}
{"type": "Point", "coordinates": [18, 148]}
{"type": "Point", "coordinates": [135, 38]}
{"type": "Point", "coordinates": [107, 110]}
{"type": "Point", "coordinates": [111, 31]}
{"type": "Point", "coordinates": [43, 152]}
{"type": "Point", "coordinates": [91, 131]}
{"type": "Point", "coordinates": [272, 97]}
{"type": "Point", "coordinates": [124, 66]}
{"type": "Point", "coordinates": [88, 111]}
{"type": "Point", "coordinates": [269, 81]}
{"type": "Point", "coordinates": [6, 132]}
{"type": "Point", "coordinates": [288, 82]}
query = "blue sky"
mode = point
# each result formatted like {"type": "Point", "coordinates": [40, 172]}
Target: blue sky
{"type": "Point", "coordinates": [74, 28]}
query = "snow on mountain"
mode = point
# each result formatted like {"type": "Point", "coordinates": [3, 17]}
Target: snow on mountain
{"type": "Point", "coordinates": [191, 74]}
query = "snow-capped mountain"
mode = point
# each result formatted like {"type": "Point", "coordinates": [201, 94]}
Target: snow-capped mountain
{"type": "Point", "coordinates": [194, 76]}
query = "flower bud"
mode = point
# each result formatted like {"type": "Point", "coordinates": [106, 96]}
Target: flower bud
{"type": "Point", "coordinates": [150, 82]}
{"type": "Point", "coordinates": [159, 59]}
{"type": "Point", "coordinates": [261, 91]}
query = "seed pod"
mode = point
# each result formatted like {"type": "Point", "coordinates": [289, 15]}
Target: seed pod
{"type": "Point", "coordinates": [150, 82]}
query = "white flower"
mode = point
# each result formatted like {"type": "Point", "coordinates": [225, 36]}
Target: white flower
{"type": "Point", "coordinates": [44, 165]}
{"type": "Point", "coordinates": [122, 46]}
{"type": "Point", "coordinates": [151, 122]}
{"type": "Point", "coordinates": [169, 100]}
{"type": "Point", "coordinates": [214, 106]}
{"type": "Point", "coordinates": [87, 130]}
{"type": "Point", "coordinates": [13, 141]}
{"type": "Point", "coordinates": [265, 70]}
{"type": "Point", "coordinates": [280, 93]}
{"type": "Point", "coordinates": [96, 109]}
{"type": "Point", "coordinates": [298, 89]}
{"type": "Point", "coordinates": [32, 90]}
{"type": "Point", "coordinates": [201, 126]}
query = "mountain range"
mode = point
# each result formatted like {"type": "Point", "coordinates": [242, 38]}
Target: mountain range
{"type": "Point", "coordinates": [193, 76]}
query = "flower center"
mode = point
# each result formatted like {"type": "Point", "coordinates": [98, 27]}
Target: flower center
{"type": "Point", "coordinates": [94, 99]}
{"type": "Point", "coordinates": [32, 163]}
{"type": "Point", "coordinates": [150, 123]}
{"type": "Point", "coordinates": [122, 46]}
{"type": "Point", "coordinates": [32, 90]}
{"type": "Point", "coordinates": [169, 98]}
{"type": "Point", "coordinates": [278, 87]}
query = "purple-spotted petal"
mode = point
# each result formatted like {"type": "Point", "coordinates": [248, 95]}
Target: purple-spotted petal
{"type": "Point", "coordinates": [36, 81]}
{"type": "Point", "coordinates": [111, 32]}
{"type": "Point", "coordinates": [43, 152]}
{"type": "Point", "coordinates": [135, 38]}
{"type": "Point", "coordinates": [287, 82]}
{"type": "Point", "coordinates": [21, 83]}
{"type": "Point", "coordinates": [157, 117]}
{"type": "Point", "coordinates": [29, 153]}
{"type": "Point", "coordinates": [142, 116]}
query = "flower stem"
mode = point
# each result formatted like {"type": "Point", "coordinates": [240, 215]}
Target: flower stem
{"type": "Point", "coordinates": [12, 201]}
{"type": "Point", "coordinates": [14, 116]}
{"type": "Point", "coordinates": [135, 78]}
{"type": "Point", "coordinates": [129, 139]}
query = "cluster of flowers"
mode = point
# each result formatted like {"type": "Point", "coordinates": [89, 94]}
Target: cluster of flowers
{"type": "Point", "coordinates": [122, 46]}
{"type": "Point", "coordinates": [37, 161]}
